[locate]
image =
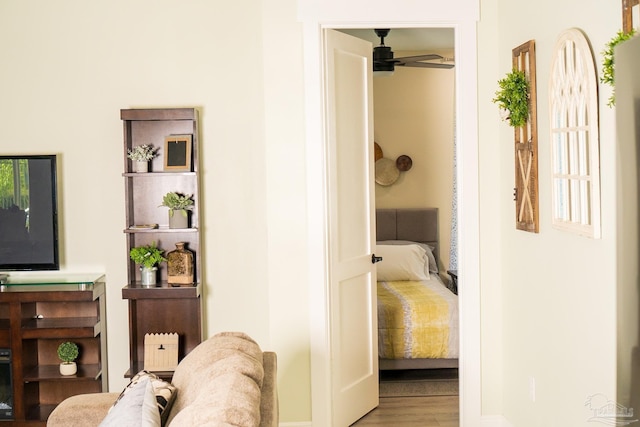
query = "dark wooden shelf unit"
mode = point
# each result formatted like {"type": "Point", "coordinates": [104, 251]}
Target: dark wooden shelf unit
{"type": "Point", "coordinates": [160, 309]}
{"type": "Point", "coordinates": [34, 319]}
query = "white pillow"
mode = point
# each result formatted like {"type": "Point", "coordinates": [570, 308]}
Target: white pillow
{"type": "Point", "coordinates": [402, 262]}
{"type": "Point", "coordinates": [433, 264]}
{"type": "Point", "coordinates": [137, 408]}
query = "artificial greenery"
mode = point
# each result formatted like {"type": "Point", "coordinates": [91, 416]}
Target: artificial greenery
{"type": "Point", "coordinates": [68, 352]}
{"type": "Point", "coordinates": [177, 202]}
{"type": "Point", "coordinates": [147, 255]}
{"type": "Point", "coordinates": [142, 153]}
{"type": "Point", "coordinates": [513, 97]}
{"type": "Point", "coordinates": [608, 68]}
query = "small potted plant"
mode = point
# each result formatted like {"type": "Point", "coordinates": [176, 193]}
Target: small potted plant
{"type": "Point", "coordinates": [148, 257]}
{"type": "Point", "coordinates": [179, 205]}
{"type": "Point", "coordinates": [68, 353]}
{"type": "Point", "coordinates": [141, 154]}
{"type": "Point", "coordinates": [513, 98]}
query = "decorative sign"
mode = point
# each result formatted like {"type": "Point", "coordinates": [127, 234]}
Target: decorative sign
{"type": "Point", "coordinates": [526, 146]}
{"type": "Point", "coordinates": [177, 153]}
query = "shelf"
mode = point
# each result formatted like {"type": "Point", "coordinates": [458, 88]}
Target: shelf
{"type": "Point", "coordinates": [44, 310]}
{"type": "Point", "coordinates": [40, 412]}
{"type": "Point", "coordinates": [61, 327]}
{"type": "Point", "coordinates": [139, 366]}
{"type": "Point", "coordinates": [52, 373]}
{"type": "Point", "coordinates": [161, 229]}
{"type": "Point", "coordinates": [152, 174]}
{"type": "Point", "coordinates": [135, 291]}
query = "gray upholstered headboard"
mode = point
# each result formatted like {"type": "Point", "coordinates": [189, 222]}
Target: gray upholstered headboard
{"type": "Point", "coordinates": [417, 225]}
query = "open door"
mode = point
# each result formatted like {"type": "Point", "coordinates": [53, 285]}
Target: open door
{"type": "Point", "coordinates": [352, 278]}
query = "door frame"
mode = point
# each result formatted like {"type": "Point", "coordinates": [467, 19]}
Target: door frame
{"type": "Point", "coordinates": [468, 213]}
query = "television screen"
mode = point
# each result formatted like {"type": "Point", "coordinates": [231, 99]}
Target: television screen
{"type": "Point", "coordinates": [28, 213]}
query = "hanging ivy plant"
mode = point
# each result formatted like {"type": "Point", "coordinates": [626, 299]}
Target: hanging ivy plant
{"type": "Point", "coordinates": [608, 68]}
{"type": "Point", "coordinates": [513, 97]}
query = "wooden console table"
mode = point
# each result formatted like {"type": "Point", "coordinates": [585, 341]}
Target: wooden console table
{"type": "Point", "coordinates": [37, 313]}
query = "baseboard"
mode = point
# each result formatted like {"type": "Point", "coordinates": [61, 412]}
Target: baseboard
{"type": "Point", "coordinates": [494, 421]}
{"type": "Point", "coordinates": [296, 424]}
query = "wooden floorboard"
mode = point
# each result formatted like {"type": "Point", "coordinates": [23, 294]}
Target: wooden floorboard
{"type": "Point", "coordinates": [427, 411]}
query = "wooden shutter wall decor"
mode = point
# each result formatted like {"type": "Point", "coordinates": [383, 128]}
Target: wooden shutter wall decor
{"type": "Point", "coordinates": [627, 14]}
{"type": "Point", "coordinates": [526, 146]}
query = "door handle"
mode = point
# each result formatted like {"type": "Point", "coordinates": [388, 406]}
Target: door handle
{"type": "Point", "coordinates": [375, 258]}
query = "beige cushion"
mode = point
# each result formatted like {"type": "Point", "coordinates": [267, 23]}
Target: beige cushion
{"type": "Point", "coordinates": [225, 374]}
{"type": "Point", "coordinates": [82, 410]}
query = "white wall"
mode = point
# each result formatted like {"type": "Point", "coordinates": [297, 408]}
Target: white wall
{"type": "Point", "coordinates": [69, 66]}
{"type": "Point", "coordinates": [558, 289]}
{"type": "Point", "coordinates": [545, 312]}
{"type": "Point", "coordinates": [413, 115]}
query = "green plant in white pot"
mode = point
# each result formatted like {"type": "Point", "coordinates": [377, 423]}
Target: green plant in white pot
{"type": "Point", "coordinates": [179, 205]}
{"type": "Point", "coordinates": [141, 154]}
{"type": "Point", "coordinates": [68, 353]}
{"type": "Point", "coordinates": [147, 257]}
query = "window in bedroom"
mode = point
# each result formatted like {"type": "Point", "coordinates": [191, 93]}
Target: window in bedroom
{"type": "Point", "coordinates": [575, 154]}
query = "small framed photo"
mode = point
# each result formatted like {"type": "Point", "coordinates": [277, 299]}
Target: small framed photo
{"type": "Point", "coordinates": [177, 153]}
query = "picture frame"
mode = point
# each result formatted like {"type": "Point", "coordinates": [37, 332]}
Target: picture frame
{"type": "Point", "coordinates": [177, 153]}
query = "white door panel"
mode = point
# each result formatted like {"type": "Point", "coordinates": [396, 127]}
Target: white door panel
{"type": "Point", "coordinates": [353, 312]}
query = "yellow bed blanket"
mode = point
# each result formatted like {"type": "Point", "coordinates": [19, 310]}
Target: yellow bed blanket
{"type": "Point", "coordinates": [417, 319]}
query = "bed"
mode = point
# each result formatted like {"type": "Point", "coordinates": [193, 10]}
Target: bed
{"type": "Point", "coordinates": [417, 313]}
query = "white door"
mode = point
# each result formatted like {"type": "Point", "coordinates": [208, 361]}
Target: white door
{"type": "Point", "coordinates": [352, 278]}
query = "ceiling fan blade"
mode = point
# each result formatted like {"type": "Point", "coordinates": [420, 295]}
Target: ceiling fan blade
{"type": "Point", "coordinates": [426, 65]}
{"type": "Point", "coordinates": [420, 61]}
{"type": "Point", "coordinates": [417, 58]}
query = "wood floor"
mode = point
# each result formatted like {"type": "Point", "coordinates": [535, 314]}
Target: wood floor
{"type": "Point", "coordinates": [430, 411]}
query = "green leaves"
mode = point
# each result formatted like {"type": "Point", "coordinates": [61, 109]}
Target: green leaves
{"type": "Point", "coordinates": [68, 351]}
{"type": "Point", "coordinates": [147, 255]}
{"type": "Point", "coordinates": [608, 65]}
{"type": "Point", "coordinates": [513, 96]}
{"type": "Point", "coordinates": [177, 201]}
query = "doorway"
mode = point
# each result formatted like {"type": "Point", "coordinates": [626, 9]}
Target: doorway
{"type": "Point", "coordinates": [467, 135]}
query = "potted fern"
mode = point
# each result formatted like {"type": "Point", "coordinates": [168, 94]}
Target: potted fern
{"type": "Point", "coordinates": [148, 257]}
{"type": "Point", "coordinates": [179, 205]}
{"type": "Point", "coordinates": [68, 353]}
{"type": "Point", "coordinates": [140, 155]}
{"type": "Point", "coordinates": [513, 98]}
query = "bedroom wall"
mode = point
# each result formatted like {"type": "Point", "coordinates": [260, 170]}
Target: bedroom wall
{"type": "Point", "coordinates": [69, 66]}
{"type": "Point", "coordinates": [413, 115]}
{"type": "Point", "coordinates": [558, 289]}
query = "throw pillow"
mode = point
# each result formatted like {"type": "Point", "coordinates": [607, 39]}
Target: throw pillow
{"type": "Point", "coordinates": [165, 393]}
{"type": "Point", "coordinates": [402, 262]}
{"type": "Point", "coordinates": [136, 408]}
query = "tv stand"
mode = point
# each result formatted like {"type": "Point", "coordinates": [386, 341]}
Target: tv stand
{"type": "Point", "coordinates": [38, 313]}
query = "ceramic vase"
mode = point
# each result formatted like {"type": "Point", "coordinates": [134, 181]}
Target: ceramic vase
{"type": "Point", "coordinates": [141, 166]}
{"type": "Point", "coordinates": [180, 266]}
{"type": "Point", "coordinates": [148, 276]}
{"type": "Point", "coordinates": [178, 218]}
{"type": "Point", "coordinates": [68, 368]}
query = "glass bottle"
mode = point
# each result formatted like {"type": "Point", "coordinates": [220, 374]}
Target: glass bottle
{"type": "Point", "coordinates": [180, 266]}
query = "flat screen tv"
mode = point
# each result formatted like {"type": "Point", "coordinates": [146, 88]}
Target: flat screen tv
{"type": "Point", "coordinates": [28, 213]}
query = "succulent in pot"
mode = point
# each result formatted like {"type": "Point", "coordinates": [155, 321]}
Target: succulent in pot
{"type": "Point", "coordinates": [179, 205]}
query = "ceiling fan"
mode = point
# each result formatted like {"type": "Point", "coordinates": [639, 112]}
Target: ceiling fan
{"type": "Point", "coordinates": [383, 60]}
